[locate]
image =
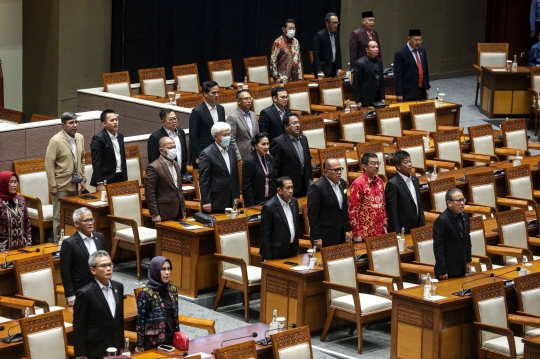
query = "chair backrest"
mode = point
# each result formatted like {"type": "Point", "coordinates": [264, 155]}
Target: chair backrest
{"type": "Point", "coordinates": [331, 91]}
{"type": "Point", "coordinates": [39, 118]}
{"type": "Point", "coordinates": [489, 301]}
{"type": "Point", "coordinates": [292, 344]}
{"type": "Point", "coordinates": [482, 188]}
{"type": "Point", "coordinates": [512, 227]}
{"type": "Point", "coordinates": [35, 278]}
{"type": "Point", "coordinates": [10, 115]}
{"type": "Point", "coordinates": [303, 205]}
{"type": "Point", "coordinates": [353, 127]}
{"type": "Point", "coordinates": [376, 148]}
{"type": "Point", "coordinates": [447, 145]}
{"type": "Point", "coordinates": [492, 54]}
{"type": "Point", "coordinates": [153, 82]}
{"type": "Point", "coordinates": [300, 67]}
{"type": "Point", "coordinates": [125, 201]}
{"type": "Point", "coordinates": [422, 238]}
{"type": "Point", "coordinates": [262, 98]}
{"type": "Point", "coordinates": [339, 153]}
{"type": "Point", "coordinates": [424, 116]}
{"type": "Point", "coordinates": [89, 170]}
{"type": "Point", "coordinates": [518, 181]}
{"type": "Point", "coordinates": [33, 179]}
{"type": "Point", "coordinates": [514, 133]}
{"type": "Point", "coordinates": [186, 78]}
{"type": "Point", "coordinates": [389, 121]}
{"type": "Point", "coordinates": [437, 193]}
{"type": "Point", "coordinates": [478, 236]}
{"type": "Point", "coordinates": [117, 83]}
{"type": "Point", "coordinates": [133, 163]}
{"type": "Point", "coordinates": [415, 146]}
{"type": "Point", "coordinates": [221, 72]}
{"type": "Point", "coordinates": [227, 99]}
{"type": "Point", "coordinates": [299, 98]}
{"type": "Point", "coordinates": [190, 101]}
{"type": "Point", "coordinates": [245, 350]}
{"type": "Point", "coordinates": [535, 79]}
{"type": "Point", "coordinates": [257, 69]}
{"type": "Point", "coordinates": [232, 239]}
{"type": "Point", "coordinates": [383, 254]}
{"type": "Point", "coordinates": [314, 130]}
{"type": "Point", "coordinates": [195, 174]}
{"type": "Point", "coordinates": [528, 294]}
{"type": "Point", "coordinates": [482, 139]}
{"type": "Point", "coordinates": [339, 267]}
{"type": "Point", "coordinates": [44, 336]}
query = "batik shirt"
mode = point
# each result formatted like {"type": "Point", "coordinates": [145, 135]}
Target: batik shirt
{"type": "Point", "coordinates": [367, 209]}
{"type": "Point", "coordinates": [285, 59]}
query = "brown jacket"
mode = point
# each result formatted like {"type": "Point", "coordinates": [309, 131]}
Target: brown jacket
{"type": "Point", "coordinates": [162, 196]}
{"type": "Point", "coordinates": [60, 162]}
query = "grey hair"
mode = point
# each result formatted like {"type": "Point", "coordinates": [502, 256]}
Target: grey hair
{"type": "Point", "coordinates": [220, 127]}
{"type": "Point", "coordinates": [450, 193]}
{"type": "Point", "coordinates": [92, 261]}
{"type": "Point", "coordinates": [66, 116]}
{"type": "Point", "coordinates": [79, 212]}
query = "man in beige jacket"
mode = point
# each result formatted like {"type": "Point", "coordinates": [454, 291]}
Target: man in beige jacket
{"type": "Point", "coordinates": [64, 164]}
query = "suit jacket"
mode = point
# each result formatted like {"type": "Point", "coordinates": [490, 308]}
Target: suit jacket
{"type": "Point", "coordinates": [327, 221]}
{"type": "Point", "coordinates": [365, 84]}
{"type": "Point", "coordinates": [288, 163]}
{"type": "Point", "coordinates": [163, 197]}
{"type": "Point", "coordinates": [74, 256]}
{"type": "Point", "coordinates": [94, 327]}
{"type": "Point", "coordinates": [270, 122]}
{"type": "Point", "coordinates": [357, 43]}
{"type": "Point", "coordinates": [322, 53]}
{"type": "Point", "coordinates": [60, 162]}
{"type": "Point", "coordinates": [275, 232]}
{"type": "Point", "coordinates": [153, 147]}
{"type": "Point", "coordinates": [218, 186]}
{"type": "Point", "coordinates": [240, 136]}
{"type": "Point", "coordinates": [406, 73]}
{"type": "Point", "coordinates": [254, 179]}
{"type": "Point", "coordinates": [400, 208]}
{"type": "Point", "coordinates": [452, 253]}
{"type": "Point", "coordinates": [104, 159]}
{"type": "Point", "coordinates": [200, 124]}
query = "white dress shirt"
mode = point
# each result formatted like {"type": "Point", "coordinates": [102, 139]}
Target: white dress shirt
{"type": "Point", "coordinates": [109, 296]}
{"type": "Point", "coordinates": [176, 138]}
{"type": "Point", "coordinates": [289, 215]}
{"type": "Point", "coordinates": [225, 155]}
{"type": "Point", "coordinates": [172, 170]}
{"type": "Point", "coordinates": [337, 190]}
{"type": "Point", "coordinates": [116, 146]}
{"type": "Point", "coordinates": [213, 112]}
{"type": "Point", "coordinates": [409, 183]}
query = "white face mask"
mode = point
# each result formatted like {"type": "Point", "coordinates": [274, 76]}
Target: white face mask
{"type": "Point", "coordinates": [291, 33]}
{"type": "Point", "coordinates": [171, 153]}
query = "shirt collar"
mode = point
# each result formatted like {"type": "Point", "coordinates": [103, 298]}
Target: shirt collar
{"type": "Point", "coordinates": [410, 47]}
{"type": "Point", "coordinates": [101, 286]}
{"type": "Point", "coordinates": [332, 183]}
{"type": "Point", "coordinates": [113, 137]}
{"type": "Point", "coordinates": [210, 108]}
{"type": "Point", "coordinates": [83, 236]}
{"type": "Point", "coordinates": [278, 110]}
{"type": "Point", "coordinates": [68, 136]}
{"type": "Point", "coordinates": [246, 114]}
{"type": "Point", "coordinates": [292, 137]}
{"type": "Point", "coordinates": [283, 203]}
{"type": "Point", "coordinates": [221, 149]}
{"type": "Point", "coordinates": [169, 132]}
{"type": "Point", "coordinates": [369, 180]}
{"type": "Point", "coordinates": [405, 178]}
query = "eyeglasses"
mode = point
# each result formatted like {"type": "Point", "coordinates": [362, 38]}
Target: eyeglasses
{"type": "Point", "coordinates": [459, 200]}
{"type": "Point", "coordinates": [334, 22]}
{"type": "Point", "coordinates": [167, 269]}
{"type": "Point", "coordinates": [418, 40]}
{"type": "Point", "coordinates": [105, 265]}
{"type": "Point", "coordinates": [246, 98]}
{"type": "Point", "coordinates": [173, 119]}
{"type": "Point", "coordinates": [335, 170]}
{"type": "Point", "coordinates": [13, 182]}
{"type": "Point", "coordinates": [372, 163]}
{"type": "Point", "coordinates": [88, 220]}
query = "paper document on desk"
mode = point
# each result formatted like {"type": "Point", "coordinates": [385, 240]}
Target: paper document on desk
{"type": "Point", "coordinates": [187, 188]}
{"type": "Point", "coordinates": [435, 297]}
{"type": "Point", "coordinates": [300, 267]}
{"type": "Point", "coordinates": [192, 227]}
{"type": "Point", "coordinates": [499, 70]}
{"type": "Point", "coordinates": [97, 203]}
{"type": "Point", "coordinates": [203, 355]}
{"type": "Point", "coordinates": [327, 120]}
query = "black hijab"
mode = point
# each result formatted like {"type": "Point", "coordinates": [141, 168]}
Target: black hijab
{"type": "Point", "coordinates": [154, 273]}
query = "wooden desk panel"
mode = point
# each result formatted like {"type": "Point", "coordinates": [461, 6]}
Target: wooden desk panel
{"type": "Point", "coordinates": [505, 93]}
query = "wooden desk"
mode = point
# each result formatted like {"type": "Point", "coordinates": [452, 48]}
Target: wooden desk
{"type": "Point", "coordinates": [505, 93]}
{"type": "Point", "coordinates": [532, 347]}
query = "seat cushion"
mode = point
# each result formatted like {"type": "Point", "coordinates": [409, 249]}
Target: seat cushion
{"type": "Point", "coordinates": [229, 107]}
{"type": "Point", "coordinates": [516, 139]}
{"type": "Point", "coordinates": [391, 127]}
{"type": "Point", "coordinates": [188, 83]}
{"type": "Point", "coordinates": [35, 184]}
{"type": "Point", "coordinates": [299, 101]}
{"type": "Point", "coordinates": [258, 74]}
{"type": "Point", "coordinates": [133, 169]}
{"type": "Point", "coordinates": [223, 78]}
{"type": "Point", "coordinates": [484, 195]}
{"type": "Point", "coordinates": [368, 302]}
{"type": "Point", "coordinates": [253, 273]}
{"type": "Point", "coordinates": [450, 150]}
{"type": "Point", "coordinates": [354, 132]}
{"type": "Point", "coordinates": [295, 352]}
{"type": "Point", "coordinates": [261, 103]}
{"type": "Point", "coordinates": [3, 320]}
{"type": "Point", "coordinates": [47, 344]}
{"type": "Point", "coordinates": [145, 234]}
{"type": "Point", "coordinates": [333, 97]}
{"type": "Point", "coordinates": [120, 88]}
{"type": "Point", "coordinates": [521, 187]}
{"type": "Point", "coordinates": [426, 122]}
{"type": "Point", "coordinates": [39, 284]}
{"type": "Point", "coordinates": [492, 59]}
{"type": "Point", "coordinates": [47, 212]}
{"type": "Point", "coordinates": [154, 87]}
{"type": "Point", "coordinates": [315, 138]}
{"type": "Point", "coordinates": [500, 344]}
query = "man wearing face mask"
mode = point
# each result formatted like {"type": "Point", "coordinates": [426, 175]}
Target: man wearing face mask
{"type": "Point", "coordinates": [285, 55]}
{"type": "Point", "coordinates": [218, 171]}
{"type": "Point", "coordinates": [163, 184]}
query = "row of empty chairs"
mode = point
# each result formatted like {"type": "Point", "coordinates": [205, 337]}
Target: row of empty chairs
{"type": "Point", "coordinates": [17, 116]}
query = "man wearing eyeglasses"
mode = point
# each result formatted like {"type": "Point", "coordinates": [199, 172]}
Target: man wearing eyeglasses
{"type": "Point", "coordinates": [328, 212]}
{"type": "Point", "coordinates": [411, 73]}
{"type": "Point", "coordinates": [75, 252]}
{"type": "Point", "coordinates": [244, 125]}
{"type": "Point", "coordinates": [326, 48]}
{"type": "Point", "coordinates": [451, 238]}
{"type": "Point", "coordinates": [98, 315]}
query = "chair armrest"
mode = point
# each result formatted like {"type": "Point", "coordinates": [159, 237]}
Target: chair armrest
{"type": "Point", "coordinates": [71, 350]}
{"type": "Point", "coordinates": [475, 157]}
{"type": "Point", "coordinates": [309, 76]}
{"type": "Point", "coordinates": [59, 289]}
{"type": "Point", "coordinates": [524, 251]}
{"type": "Point", "coordinates": [449, 128]}
{"type": "Point", "coordinates": [376, 280]}
{"type": "Point", "coordinates": [457, 164]}
{"type": "Point", "coordinates": [323, 108]}
{"type": "Point", "coordinates": [345, 144]}
{"type": "Point", "coordinates": [441, 164]}
{"type": "Point", "coordinates": [530, 202]}
{"type": "Point", "coordinates": [144, 97]}
{"type": "Point", "coordinates": [229, 259]}
{"type": "Point", "coordinates": [479, 209]}
{"type": "Point", "coordinates": [431, 216]}
{"type": "Point", "coordinates": [512, 202]}
{"type": "Point", "coordinates": [479, 206]}
{"type": "Point", "coordinates": [477, 68]}
{"type": "Point", "coordinates": [16, 303]}
{"type": "Point", "coordinates": [132, 336]}
{"type": "Point", "coordinates": [524, 320]}
{"type": "Point", "coordinates": [475, 263]}
{"type": "Point", "coordinates": [379, 138]}
{"type": "Point", "coordinates": [534, 241]}
{"type": "Point", "coordinates": [423, 264]}
{"type": "Point", "coordinates": [342, 288]}
{"type": "Point", "coordinates": [125, 221]}
{"type": "Point", "coordinates": [300, 112]}
{"type": "Point", "coordinates": [527, 314]}
{"type": "Point", "coordinates": [507, 151]}
{"type": "Point", "coordinates": [37, 302]}
{"type": "Point", "coordinates": [483, 259]}
{"type": "Point", "coordinates": [493, 158]}
{"type": "Point", "coordinates": [418, 269]}
{"type": "Point", "coordinates": [206, 324]}
{"type": "Point", "coordinates": [414, 132]}
{"type": "Point", "coordinates": [380, 274]}
{"type": "Point", "coordinates": [503, 250]}
{"type": "Point", "coordinates": [32, 202]}
{"type": "Point", "coordinates": [500, 331]}
{"type": "Point", "coordinates": [390, 97]}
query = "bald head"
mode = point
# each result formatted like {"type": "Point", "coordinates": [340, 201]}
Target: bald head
{"type": "Point", "coordinates": [165, 141]}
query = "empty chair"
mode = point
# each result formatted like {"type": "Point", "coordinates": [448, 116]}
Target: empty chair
{"type": "Point", "coordinates": [10, 115]}
{"type": "Point", "coordinates": [118, 83]}
{"type": "Point", "coordinates": [44, 336]}
{"type": "Point", "coordinates": [221, 72]}
{"type": "Point", "coordinates": [482, 191]}
{"type": "Point", "coordinates": [414, 145]}
{"type": "Point", "coordinates": [300, 99]}
{"type": "Point", "coordinates": [390, 124]}
{"type": "Point", "coordinates": [512, 228]}
{"type": "Point", "coordinates": [489, 54]}
{"type": "Point", "coordinates": [448, 148]}
{"type": "Point", "coordinates": [482, 142]}
{"type": "Point", "coordinates": [528, 297]}
{"type": "Point", "coordinates": [514, 133]}
{"type": "Point", "coordinates": [314, 130]}
{"type": "Point", "coordinates": [186, 78]}
{"type": "Point", "coordinates": [331, 91]}
{"type": "Point", "coordinates": [424, 117]}
{"type": "Point", "coordinates": [133, 164]}
{"type": "Point", "coordinates": [257, 69]}
{"type": "Point", "coordinates": [246, 350]}
{"type": "Point", "coordinates": [292, 344]}
{"type": "Point", "coordinates": [227, 99]}
{"type": "Point", "coordinates": [153, 82]}
{"type": "Point", "coordinates": [519, 185]}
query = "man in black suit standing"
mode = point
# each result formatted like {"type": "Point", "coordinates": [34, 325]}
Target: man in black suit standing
{"type": "Point", "coordinates": [328, 212]}
{"type": "Point", "coordinates": [279, 223]}
{"type": "Point", "coordinates": [108, 153]}
{"type": "Point", "coordinates": [169, 121]}
{"type": "Point", "coordinates": [368, 78]}
{"type": "Point", "coordinates": [98, 316]}
{"type": "Point", "coordinates": [326, 48]}
{"type": "Point", "coordinates": [271, 118]}
{"type": "Point", "coordinates": [451, 238]}
{"type": "Point", "coordinates": [411, 73]}
{"type": "Point", "coordinates": [201, 120]}
{"type": "Point", "coordinates": [402, 192]}
{"type": "Point", "coordinates": [75, 252]}
{"type": "Point", "coordinates": [218, 171]}
{"type": "Point", "coordinates": [291, 155]}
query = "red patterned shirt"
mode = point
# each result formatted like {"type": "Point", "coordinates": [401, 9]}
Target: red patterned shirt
{"type": "Point", "coordinates": [367, 209]}
{"type": "Point", "coordinates": [284, 59]}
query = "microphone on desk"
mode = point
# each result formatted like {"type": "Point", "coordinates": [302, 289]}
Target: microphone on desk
{"type": "Point", "coordinates": [501, 171]}
{"type": "Point", "coordinates": [467, 291]}
{"type": "Point", "coordinates": [256, 216]}
{"type": "Point", "coordinates": [56, 253]}
{"type": "Point", "coordinates": [509, 282]}
{"type": "Point", "coordinates": [10, 263]}
{"type": "Point", "coordinates": [464, 178]}
{"type": "Point", "coordinates": [17, 337]}
{"type": "Point", "coordinates": [252, 335]}
{"type": "Point", "coordinates": [267, 340]}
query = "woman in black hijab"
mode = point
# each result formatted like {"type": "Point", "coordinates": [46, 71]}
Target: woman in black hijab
{"type": "Point", "coordinates": [157, 305]}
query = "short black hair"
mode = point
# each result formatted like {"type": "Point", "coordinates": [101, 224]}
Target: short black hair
{"type": "Point", "coordinates": [239, 92]}
{"type": "Point", "coordinates": [103, 116]}
{"type": "Point", "coordinates": [280, 180]}
{"type": "Point", "coordinates": [275, 90]}
{"type": "Point", "coordinates": [366, 156]}
{"type": "Point", "coordinates": [366, 45]}
{"type": "Point", "coordinates": [399, 156]}
{"type": "Point", "coordinates": [287, 116]}
{"type": "Point", "coordinates": [288, 21]}
{"type": "Point", "coordinates": [164, 112]}
{"type": "Point", "coordinates": [258, 138]}
{"type": "Point", "coordinates": [450, 193]}
{"type": "Point", "coordinates": [207, 85]}
{"type": "Point", "coordinates": [66, 116]}
{"type": "Point", "coordinates": [328, 16]}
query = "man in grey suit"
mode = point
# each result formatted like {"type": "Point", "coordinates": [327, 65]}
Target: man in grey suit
{"type": "Point", "coordinates": [243, 124]}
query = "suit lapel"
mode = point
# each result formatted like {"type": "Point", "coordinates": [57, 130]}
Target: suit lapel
{"type": "Point", "coordinates": [118, 301]}
{"type": "Point", "coordinates": [455, 224]}
{"type": "Point", "coordinates": [291, 146]}
{"type": "Point", "coordinates": [240, 117]}
{"type": "Point", "coordinates": [282, 214]}
{"type": "Point", "coordinates": [330, 190]}
{"type": "Point", "coordinates": [405, 187]}
{"type": "Point", "coordinates": [107, 139]}
{"type": "Point", "coordinates": [99, 294]}
{"type": "Point", "coordinates": [81, 244]}
{"type": "Point", "coordinates": [218, 154]}
{"type": "Point", "coordinates": [165, 169]}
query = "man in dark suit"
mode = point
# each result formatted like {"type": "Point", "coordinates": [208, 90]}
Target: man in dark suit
{"type": "Point", "coordinates": [411, 73]}
{"type": "Point", "coordinates": [271, 118]}
{"type": "Point", "coordinates": [218, 171]}
{"type": "Point", "coordinates": [201, 120]}
{"type": "Point", "coordinates": [75, 252]}
{"type": "Point", "coordinates": [402, 192]}
{"type": "Point", "coordinates": [328, 212]}
{"type": "Point", "coordinates": [451, 238]}
{"type": "Point", "coordinates": [368, 78]}
{"type": "Point", "coordinates": [279, 223]}
{"type": "Point", "coordinates": [108, 153]}
{"type": "Point", "coordinates": [169, 121]}
{"type": "Point", "coordinates": [362, 36]}
{"type": "Point", "coordinates": [326, 48]}
{"type": "Point", "coordinates": [98, 316]}
{"type": "Point", "coordinates": [291, 155]}
{"type": "Point", "coordinates": [163, 184]}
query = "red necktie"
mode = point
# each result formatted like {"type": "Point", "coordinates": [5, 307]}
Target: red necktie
{"type": "Point", "coordinates": [420, 69]}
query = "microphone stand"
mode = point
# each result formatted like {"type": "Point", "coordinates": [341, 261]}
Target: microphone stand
{"type": "Point", "coordinates": [467, 291]}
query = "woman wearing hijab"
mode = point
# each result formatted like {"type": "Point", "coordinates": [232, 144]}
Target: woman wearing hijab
{"type": "Point", "coordinates": [15, 229]}
{"type": "Point", "coordinates": [157, 305]}
{"type": "Point", "coordinates": [258, 175]}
